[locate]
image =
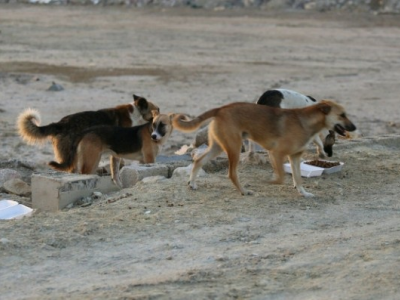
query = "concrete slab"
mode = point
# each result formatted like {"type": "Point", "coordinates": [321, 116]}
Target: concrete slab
{"type": "Point", "coordinates": [54, 191]}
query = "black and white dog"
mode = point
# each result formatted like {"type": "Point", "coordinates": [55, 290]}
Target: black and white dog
{"type": "Point", "coordinates": [284, 98]}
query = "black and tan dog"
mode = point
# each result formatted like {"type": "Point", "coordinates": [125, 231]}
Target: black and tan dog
{"type": "Point", "coordinates": [64, 132]}
{"type": "Point", "coordinates": [140, 143]}
{"type": "Point", "coordinates": [283, 132]}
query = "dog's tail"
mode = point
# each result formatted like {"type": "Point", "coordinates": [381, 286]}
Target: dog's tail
{"type": "Point", "coordinates": [66, 166]}
{"type": "Point", "coordinates": [182, 122]}
{"type": "Point", "coordinates": [28, 127]}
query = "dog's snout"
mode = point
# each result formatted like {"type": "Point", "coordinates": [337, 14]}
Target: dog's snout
{"type": "Point", "coordinates": [154, 136]}
{"type": "Point", "coordinates": [350, 127]}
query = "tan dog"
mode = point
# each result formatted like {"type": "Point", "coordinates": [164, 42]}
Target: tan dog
{"type": "Point", "coordinates": [141, 143]}
{"type": "Point", "coordinates": [284, 98]}
{"type": "Point", "coordinates": [283, 132]}
{"type": "Point", "coordinates": [64, 132]}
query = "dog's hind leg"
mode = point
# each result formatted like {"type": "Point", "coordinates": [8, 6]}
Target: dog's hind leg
{"type": "Point", "coordinates": [234, 158]}
{"type": "Point", "coordinates": [232, 144]}
{"type": "Point", "coordinates": [89, 156]}
{"type": "Point", "coordinates": [90, 163]}
{"type": "Point", "coordinates": [114, 168]}
{"type": "Point", "coordinates": [276, 159]}
{"type": "Point", "coordinates": [213, 151]}
{"type": "Point", "coordinates": [296, 174]}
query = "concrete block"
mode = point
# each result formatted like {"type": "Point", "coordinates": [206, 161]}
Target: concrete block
{"type": "Point", "coordinates": [164, 159]}
{"type": "Point", "coordinates": [174, 161]}
{"type": "Point", "coordinates": [131, 174]}
{"type": "Point", "coordinates": [54, 191]}
{"type": "Point", "coordinates": [186, 171]}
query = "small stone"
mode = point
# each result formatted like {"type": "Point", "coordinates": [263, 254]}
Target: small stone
{"type": "Point", "coordinates": [185, 172]}
{"type": "Point", "coordinates": [18, 187]}
{"type": "Point", "coordinates": [4, 241]}
{"type": "Point", "coordinates": [7, 174]}
{"type": "Point", "coordinates": [97, 195]}
{"type": "Point", "coordinates": [55, 87]}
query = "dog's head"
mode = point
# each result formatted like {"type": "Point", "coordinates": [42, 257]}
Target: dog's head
{"type": "Point", "coordinates": [335, 117]}
{"type": "Point", "coordinates": [162, 126]}
{"type": "Point", "coordinates": [142, 110]}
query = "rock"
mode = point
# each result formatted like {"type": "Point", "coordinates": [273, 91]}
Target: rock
{"type": "Point", "coordinates": [55, 87]}
{"type": "Point", "coordinates": [185, 172]}
{"type": "Point", "coordinates": [8, 174]}
{"type": "Point", "coordinates": [18, 187]}
{"type": "Point", "coordinates": [97, 195]}
{"type": "Point", "coordinates": [4, 241]}
{"type": "Point", "coordinates": [131, 174]}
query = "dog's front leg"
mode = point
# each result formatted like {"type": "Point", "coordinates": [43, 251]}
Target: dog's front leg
{"type": "Point", "coordinates": [296, 174]}
{"type": "Point", "coordinates": [114, 167]}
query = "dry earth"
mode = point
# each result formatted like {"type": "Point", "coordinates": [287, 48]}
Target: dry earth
{"type": "Point", "coordinates": [160, 240]}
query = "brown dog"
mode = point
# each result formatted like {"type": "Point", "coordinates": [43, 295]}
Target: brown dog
{"type": "Point", "coordinates": [64, 132]}
{"type": "Point", "coordinates": [283, 132]}
{"type": "Point", "coordinates": [141, 143]}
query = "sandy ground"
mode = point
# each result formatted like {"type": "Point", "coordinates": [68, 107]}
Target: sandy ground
{"type": "Point", "coordinates": [160, 240]}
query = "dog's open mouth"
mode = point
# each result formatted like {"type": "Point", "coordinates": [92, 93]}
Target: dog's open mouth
{"type": "Point", "coordinates": [340, 130]}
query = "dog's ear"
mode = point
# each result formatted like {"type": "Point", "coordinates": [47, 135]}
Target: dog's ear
{"type": "Point", "coordinates": [140, 102]}
{"type": "Point", "coordinates": [155, 113]}
{"type": "Point", "coordinates": [325, 108]}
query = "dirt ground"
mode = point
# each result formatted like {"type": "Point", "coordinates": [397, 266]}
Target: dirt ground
{"type": "Point", "coordinates": [159, 240]}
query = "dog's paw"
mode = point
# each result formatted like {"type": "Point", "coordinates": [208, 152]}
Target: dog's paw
{"type": "Point", "coordinates": [303, 192]}
{"type": "Point", "coordinates": [192, 186]}
{"type": "Point", "coordinates": [117, 182]}
{"type": "Point", "coordinates": [307, 195]}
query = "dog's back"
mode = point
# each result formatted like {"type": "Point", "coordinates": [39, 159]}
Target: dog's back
{"type": "Point", "coordinates": [266, 123]}
{"type": "Point", "coordinates": [76, 123]}
{"type": "Point", "coordinates": [284, 98]}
